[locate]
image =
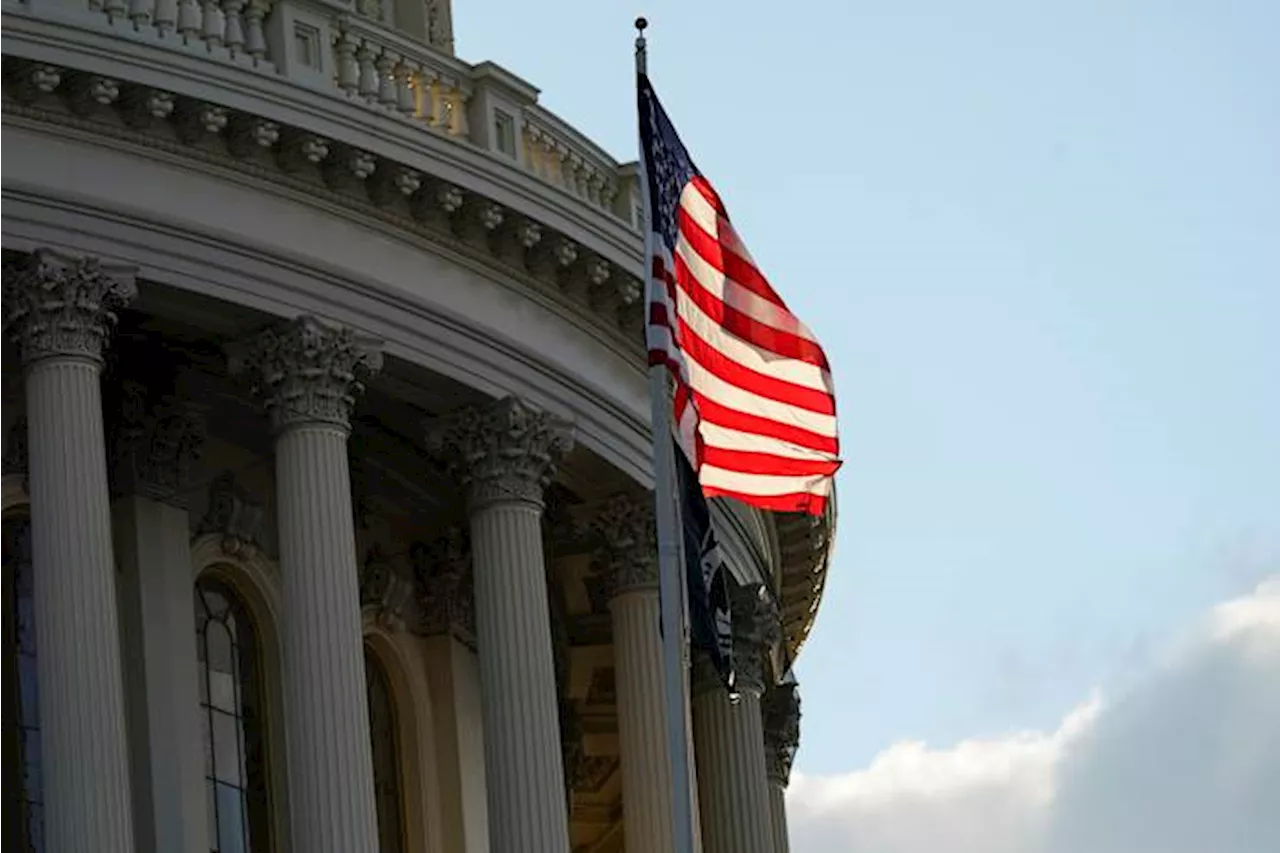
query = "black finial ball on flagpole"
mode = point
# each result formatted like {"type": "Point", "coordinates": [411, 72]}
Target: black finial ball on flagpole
{"type": "Point", "coordinates": [641, 24]}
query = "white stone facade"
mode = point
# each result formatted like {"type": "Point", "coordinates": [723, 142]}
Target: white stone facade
{"type": "Point", "coordinates": [327, 522]}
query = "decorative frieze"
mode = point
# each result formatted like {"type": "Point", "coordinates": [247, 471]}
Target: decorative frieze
{"type": "Point", "coordinates": [59, 305]}
{"type": "Point", "coordinates": [312, 163]}
{"type": "Point", "coordinates": [307, 372]}
{"type": "Point", "coordinates": [445, 587]}
{"type": "Point", "coordinates": [505, 451]}
{"type": "Point", "coordinates": [233, 514]}
{"type": "Point", "coordinates": [780, 708]}
{"type": "Point", "coordinates": [157, 438]}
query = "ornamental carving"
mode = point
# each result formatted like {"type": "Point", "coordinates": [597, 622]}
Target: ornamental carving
{"type": "Point", "coordinates": [503, 453]}
{"type": "Point", "coordinates": [386, 592]}
{"type": "Point", "coordinates": [233, 515]}
{"type": "Point", "coordinates": [629, 560]}
{"type": "Point", "coordinates": [445, 587]}
{"type": "Point", "coordinates": [59, 305]}
{"type": "Point", "coordinates": [157, 438]}
{"type": "Point", "coordinates": [780, 709]}
{"type": "Point", "coordinates": [308, 373]}
{"type": "Point", "coordinates": [755, 619]}
{"type": "Point", "coordinates": [16, 457]}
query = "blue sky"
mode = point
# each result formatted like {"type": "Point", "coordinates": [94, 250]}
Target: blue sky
{"type": "Point", "coordinates": [1042, 248]}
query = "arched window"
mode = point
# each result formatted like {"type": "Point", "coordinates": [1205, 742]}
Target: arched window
{"type": "Point", "coordinates": [24, 816]}
{"type": "Point", "coordinates": [232, 718]}
{"type": "Point", "coordinates": [386, 756]}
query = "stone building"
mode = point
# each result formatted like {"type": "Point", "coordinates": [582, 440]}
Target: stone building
{"type": "Point", "coordinates": [327, 511]}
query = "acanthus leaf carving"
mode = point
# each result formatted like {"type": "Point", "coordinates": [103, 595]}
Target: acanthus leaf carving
{"type": "Point", "coordinates": [307, 372]}
{"type": "Point", "coordinates": [502, 452]}
{"type": "Point", "coordinates": [386, 591]}
{"type": "Point", "coordinates": [780, 709]}
{"type": "Point", "coordinates": [157, 438]}
{"type": "Point", "coordinates": [629, 560]}
{"type": "Point", "coordinates": [232, 514]}
{"type": "Point", "coordinates": [445, 586]}
{"type": "Point", "coordinates": [59, 305]}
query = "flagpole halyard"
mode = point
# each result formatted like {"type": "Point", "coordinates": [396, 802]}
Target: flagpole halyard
{"type": "Point", "coordinates": [670, 555]}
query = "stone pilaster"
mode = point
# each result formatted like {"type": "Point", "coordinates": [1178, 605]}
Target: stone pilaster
{"type": "Point", "coordinates": [309, 375]}
{"type": "Point", "coordinates": [60, 310]}
{"type": "Point", "coordinates": [780, 708]}
{"type": "Point", "coordinates": [629, 566]}
{"type": "Point", "coordinates": [156, 438]}
{"type": "Point", "coordinates": [504, 454]}
{"type": "Point", "coordinates": [733, 790]}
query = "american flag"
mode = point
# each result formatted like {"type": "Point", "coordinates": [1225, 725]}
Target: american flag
{"type": "Point", "coordinates": [755, 406]}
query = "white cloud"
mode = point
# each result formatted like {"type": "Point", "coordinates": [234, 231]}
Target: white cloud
{"type": "Point", "coordinates": [1187, 762]}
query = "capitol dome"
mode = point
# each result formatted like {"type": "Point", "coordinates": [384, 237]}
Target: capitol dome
{"type": "Point", "coordinates": [327, 487]}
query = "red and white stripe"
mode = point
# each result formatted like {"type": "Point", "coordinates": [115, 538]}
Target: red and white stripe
{"type": "Point", "coordinates": [755, 405]}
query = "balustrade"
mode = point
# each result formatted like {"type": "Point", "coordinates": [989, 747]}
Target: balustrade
{"type": "Point", "coordinates": [359, 56]}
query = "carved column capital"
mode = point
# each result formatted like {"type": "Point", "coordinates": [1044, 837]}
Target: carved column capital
{"type": "Point", "coordinates": [780, 709]}
{"type": "Point", "coordinates": [60, 305]}
{"type": "Point", "coordinates": [755, 621]}
{"type": "Point", "coordinates": [157, 438]}
{"type": "Point", "coordinates": [503, 452]}
{"type": "Point", "coordinates": [629, 560]}
{"type": "Point", "coordinates": [308, 373]}
{"type": "Point", "coordinates": [445, 587]}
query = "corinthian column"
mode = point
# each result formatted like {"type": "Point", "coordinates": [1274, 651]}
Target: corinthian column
{"type": "Point", "coordinates": [309, 375]}
{"type": "Point", "coordinates": [60, 310]}
{"type": "Point", "coordinates": [504, 454]}
{"type": "Point", "coordinates": [780, 708]}
{"type": "Point", "coordinates": [630, 569]}
{"type": "Point", "coordinates": [733, 792]}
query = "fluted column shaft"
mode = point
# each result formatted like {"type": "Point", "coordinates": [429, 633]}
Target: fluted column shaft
{"type": "Point", "coordinates": [778, 816]}
{"type": "Point", "coordinates": [732, 790]}
{"type": "Point", "coordinates": [309, 374]}
{"type": "Point", "coordinates": [330, 764]}
{"type": "Point", "coordinates": [521, 723]}
{"type": "Point", "coordinates": [504, 454]}
{"type": "Point", "coordinates": [629, 570]}
{"type": "Point", "coordinates": [82, 722]}
{"type": "Point", "coordinates": [646, 764]}
{"type": "Point", "coordinates": [60, 310]}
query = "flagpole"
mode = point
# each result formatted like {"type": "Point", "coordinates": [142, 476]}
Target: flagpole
{"type": "Point", "coordinates": [670, 563]}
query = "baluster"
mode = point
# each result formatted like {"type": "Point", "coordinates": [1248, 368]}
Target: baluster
{"type": "Point", "coordinates": [461, 125]}
{"type": "Point", "coordinates": [166, 17]}
{"type": "Point", "coordinates": [255, 40]}
{"type": "Point", "coordinates": [368, 70]}
{"type": "Point", "coordinates": [386, 79]}
{"type": "Point", "coordinates": [115, 9]}
{"type": "Point", "coordinates": [140, 13]}
{"type": "Point", "coordinates": [348, 69]}
{"type": "Point", "coordinates": [189, 20]}
{"type": "Point", "coordinates": [425, 95]}
{"type": "Point", "coordinates": [213, 25]}
{"type": "Point", "coordinates": [405, 89]}
{"type": "Point", "coordinates": [233, 36]}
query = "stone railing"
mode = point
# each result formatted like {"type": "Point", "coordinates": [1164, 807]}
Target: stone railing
{"type": "Point", "coordinates": [349, 49]}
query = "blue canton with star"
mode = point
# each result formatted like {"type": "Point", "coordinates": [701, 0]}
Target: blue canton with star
{"type": "Point", "coordinates": [667, 164]}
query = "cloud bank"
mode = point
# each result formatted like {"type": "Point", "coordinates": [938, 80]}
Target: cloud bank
{"type": "Point", "coordinates": [1186, 762]}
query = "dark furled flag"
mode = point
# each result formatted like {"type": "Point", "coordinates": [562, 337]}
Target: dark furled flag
{"type": "Point", "coordinates": [706, 574]}
{"type": "Point", "coordinates": [755, 406]}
